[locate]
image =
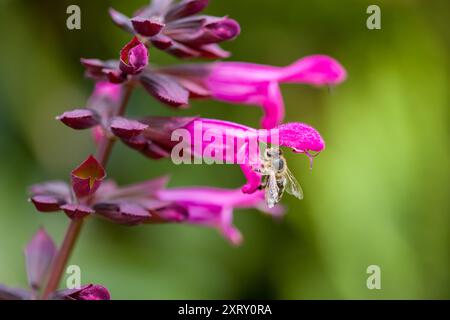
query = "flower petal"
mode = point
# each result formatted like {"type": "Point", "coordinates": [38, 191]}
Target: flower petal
{"type": "Point", "coordinates": [86, 178]}
{"type": "Point", "coordinates": [147, 27]}
{"type": "Point", "coordinates": [300, 137]}
{"type": "Point", "coordinates": [39, 254]}
{"type": "Point", "coordinates": [79, 118]}
{"type": "Point", "coordinates": [47, 203]}
{"type": "Point", "coordinates": [161, 41]}
{"type": "Point", "coordinates": [77, 211]}
{"type": "Point", "coordinates": [185, 8]}
{"type": "Point", "coordinates": [315, 70]}
{"type": "Point", "coordinates": [165, 89]}
{"type": "Point", "coordinates": [122, 213]}
{"type": "Point", "coordinates": [133, 57]}
{"type": "Point", "coordinates": [134, 192]}
{"type": "Point", "coordinates": [273, 106]}
{"type": "Point", "coordinates": [202, 30]}
{"type": "Point", "coordinates": [213, 51]}
{"type": "Point", "coordinates": [126, 128]}
{"type": "Point", "coordinates": [98, 69]}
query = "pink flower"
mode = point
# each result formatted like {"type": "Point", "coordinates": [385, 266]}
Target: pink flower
{"type": "Point", "coordinates": [253, 84]}
{"type": "Point", "coordinates": [223, 141]}
{"type": "Point", "coordinates": [213, 207]}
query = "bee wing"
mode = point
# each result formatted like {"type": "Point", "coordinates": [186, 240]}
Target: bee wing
{"type": "Point", "coordinates": [292, 185]}
{"type": "Point", "coordinates": [272, 191]}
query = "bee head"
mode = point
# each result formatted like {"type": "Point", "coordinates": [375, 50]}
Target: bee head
{"type": "Point", "coordinates": [273, 153]}
{"type": "Point", "coordinates": [278, 164]}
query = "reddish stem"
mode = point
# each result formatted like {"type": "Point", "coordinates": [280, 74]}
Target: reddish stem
{"type": "Point", "coordinates": [74, 228]}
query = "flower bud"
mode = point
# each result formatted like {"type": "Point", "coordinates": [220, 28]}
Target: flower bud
{"type": "Point", "coordinates": [48, 203]}
{"type": "Point", "coordinates": [147, 27]}
{"type": "Point", "coordinates": [133, 57]}
{"type": "Point", "coordinates": [77, 211]}
{"type": "Point", "coordinates": [79, 119]}
{"type": "Point", "coordinates": [39, 255]}
{"type": "Point", "coordinates": [87, 177]}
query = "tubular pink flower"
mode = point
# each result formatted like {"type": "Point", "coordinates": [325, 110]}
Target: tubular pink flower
{"type": "Point", "coordinates": [254, 84]}
{"type": "Point", "coordinates": [225, 142]}
{"type": "Point", "coordinates": [214, 207]}
{"type": "Point", "coordinates": [300, 137]}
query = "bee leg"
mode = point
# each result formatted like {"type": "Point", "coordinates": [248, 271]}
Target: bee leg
{"type": "Point", "coordinates": [263, 183]}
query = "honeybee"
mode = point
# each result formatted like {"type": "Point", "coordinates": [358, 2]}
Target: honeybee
{"type": "Point", "coordinates": [276, 177]}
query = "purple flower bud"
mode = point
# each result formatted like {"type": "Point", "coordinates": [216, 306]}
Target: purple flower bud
{"type": "Point", "coordinates": [133, 57]}
{"type": "Point", "coordinates": [87, 177]}
{"type": "Point", "coordinates": [185, 8]}
{"type": "Point", "coordinates": [165, 89]}
{"type": "Point", "coordinates": [122, 213]}
{"type": "Point", "coordinates": [79, 118]}
{"type": "Point", "coordinates": [213, 51]}
{"type": "Point", "coordinates": [147, 27]}
{"type": "Point", "coordinates": [98, 69]}
{"type": "Point", "coordinates": [202, 30]}
{"type": "Point", "coordinates": [77, 211]}
{"type": "Point", "coordinates": [161, 42]}
{"type": "Point", "coordinates": [125, 128]}
{"type": "Point", "coordinates": [39, 254]}
{"type": "Point", "coordinates": [47, 203]}
{"type": "Point", "coordinates": [49, 196]}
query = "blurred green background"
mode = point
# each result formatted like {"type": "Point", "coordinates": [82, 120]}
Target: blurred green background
{"type": "Point", "coordinates": [379, 193]}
